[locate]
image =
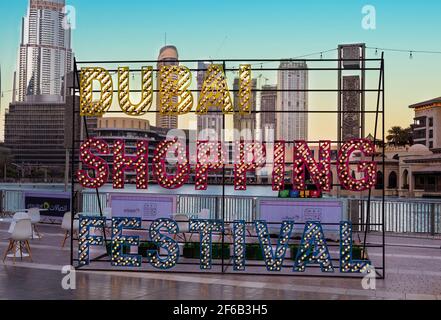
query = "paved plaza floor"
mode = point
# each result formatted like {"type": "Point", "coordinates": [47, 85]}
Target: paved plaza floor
{"type": "Point", "coordinates": [413, 271]}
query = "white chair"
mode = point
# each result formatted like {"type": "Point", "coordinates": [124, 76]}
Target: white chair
{"type": "Point", "coordinates": [20, 216]}
{"type": "Point", "coordinates": [66, 225]}
{"type": "Point", "coordinates": [183, 222]}
{"type": "Point", "coordinates": [20, 235]}
{"type": "Point", "coordinates": [16, 217]}
{"type": "Point", "coordinates": [34, 214]}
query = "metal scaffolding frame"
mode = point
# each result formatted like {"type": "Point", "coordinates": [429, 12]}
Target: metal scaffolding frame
{"type": "Point", "coordinates": [225, 265]}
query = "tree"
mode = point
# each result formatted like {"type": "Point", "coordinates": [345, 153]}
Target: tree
{"type": "Point", "coordinates": [398, 136]}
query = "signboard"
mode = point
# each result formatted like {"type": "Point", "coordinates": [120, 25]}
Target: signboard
{"type": "Point", "coordinates": [301, 211]}
{"type": "Point", "coordinates": [54, 204]}
{"type": "Point", "coordinates": [146, 207]}
{"type": "Point", "coordinates": [281, 217]}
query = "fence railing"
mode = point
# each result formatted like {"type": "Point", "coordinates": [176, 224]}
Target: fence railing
{"type": "Point", "coordinates": [236, 208]}
{"type": "Point", "coordinates": [400, 216]}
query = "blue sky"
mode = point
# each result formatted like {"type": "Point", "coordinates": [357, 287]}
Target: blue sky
{"type": "Point", "coordinates": [134, 29]}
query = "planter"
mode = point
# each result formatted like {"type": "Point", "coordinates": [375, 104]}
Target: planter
{"type": "Point", "coordinates": [193, 251]}
{"type": "Point", "coordinates": [146, 246]}
{"type": "Point", "coordinates": [294, 248]}
{"type": "Point", "coordinates": [254, 252]}
{"type": "Point", "coordinates": [357, 252]}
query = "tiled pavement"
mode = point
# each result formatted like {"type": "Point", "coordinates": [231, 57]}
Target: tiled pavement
{"type": "Point", "coordinates": [413, 269]}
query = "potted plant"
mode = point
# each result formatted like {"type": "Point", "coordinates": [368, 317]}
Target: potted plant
{"type": "Point", "coordinates": [193, 250]}
{"type": "Point", "coordinates": [254, 251]}
{"type": "Point", "coordinates": [146, 246]}
{"type": "Point", "coordinates": [294, 248]}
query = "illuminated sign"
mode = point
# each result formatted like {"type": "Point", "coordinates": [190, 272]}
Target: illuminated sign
{"type": "Point", "coordinates": [249, 156]}
{"type": "Point", "coordinates": [174, 94]}
{"type": "Point", "coordinates": [313, 248]}
{"type": "Point", "coordinates": [175, 98]}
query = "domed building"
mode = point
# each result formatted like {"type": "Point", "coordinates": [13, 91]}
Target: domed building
{"type": "Point", "coordinates": [417, 171]}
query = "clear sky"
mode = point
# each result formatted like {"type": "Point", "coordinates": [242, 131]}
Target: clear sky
{"type": "Point", "coordinates": [134, 29]}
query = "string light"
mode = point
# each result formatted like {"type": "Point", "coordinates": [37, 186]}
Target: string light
{"type": "Point", "coordinates": [302, 56]}
{"type": "Point", "coordinates": [174, 96]}
{"type": "Point", "coordinates": [121, 163]}
{"type": "Point", "coordinates": [88, 106]}
{"type": "Point", "coordinates": [244, 164]}
{"type": "Point", "coordinates": [347, 265]}
{"type": "Point", "coordinates": [85, 240]}
{"type": "Point", "coordinates": [96, 163]}
{"type": "Point", "coordinates": [239, 249]}
{"type": "Point", "coordinates": [118, 258]}
{"type": "Point", "coordinates": [279, 166]}
{"type": "Point", "coordinates": [274, 261]}
{"type": "Point", "coordinates": [164, 179]}
{"type": "Point", "coordinates": [313, 249]}
{"type": "Point", "coordinates": [245, 94]}
{"type": "Point", "coordinates": [146, 101]}
{"type": "Point", "coordinates": [210, 156]}
{"type": "Point", "coordinates": [405, 50]}
{"type": "Point", "coordinates": [215, 91]}
{"type": "Point", "coordinates": [320, 172]}
{"type": "Point", "coordinates": [369, 169]}
{"type": "Point", "coordinates": [206, 228]}
{"type": "Point", "coordinates": [170, 245]}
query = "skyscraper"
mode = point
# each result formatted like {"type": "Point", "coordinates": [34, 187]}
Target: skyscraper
{"type": "Point", "coordinates": [245, 124]}
{"type": "Point", "coordinates": [293, 81]}
{"type": "Point", "coordinates": [351, 84]}
{"type": "Point", "coordinates": [168, 55]}
{"type": "Point", "coordinates": [268, 100]}
{"type": "Point", "coordinates": [45, 54]}
{"type": "Point", "coordinates": [38, 132]}
{"type": "Point", "coordinates": [351, 108]}
{"type": "Point", "coordinates": [212, 122]}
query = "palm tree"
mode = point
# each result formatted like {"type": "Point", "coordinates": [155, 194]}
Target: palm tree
{"type": "Point", "coordinates": [399, 137]}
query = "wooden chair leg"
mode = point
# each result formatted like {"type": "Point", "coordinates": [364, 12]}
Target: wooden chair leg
{"type": "Point", "coordinates": [37, 232]}
{"type": "Point", "coordinates": [66, 235]}
{"type": "Point", "coordinates": [28, 247]}
{"type": "Point", "coordinates": [7, 250]}
{"type": "Point", "coordinates": [14, 251]}
{"type": "Point", "coordinates": [20, 248]}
